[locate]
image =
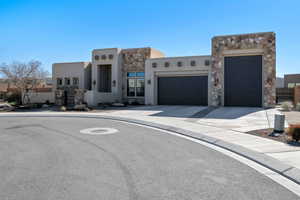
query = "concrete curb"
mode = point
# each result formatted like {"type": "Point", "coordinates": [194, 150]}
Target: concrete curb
{"type": "Point", "coordinates": [275, 165]}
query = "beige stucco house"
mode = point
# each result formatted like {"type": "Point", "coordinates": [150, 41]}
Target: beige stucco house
{"type": "Point", "coordinates": [239, 72]}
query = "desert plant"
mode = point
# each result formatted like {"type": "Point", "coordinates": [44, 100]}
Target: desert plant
{"type": "Point", "coordinates": [298, 107]}
{"type": "Point", "coordinates": [63, 108]}
{"type": "Point", "coordinates": [294, 132]}
{"type": "Point", "coordinates": [286, 106]}
{"type": "Point", "coordinates": [23, 77]}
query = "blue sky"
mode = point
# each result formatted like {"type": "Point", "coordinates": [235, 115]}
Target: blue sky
{"type": "Point", "coordinates": [64, 31]}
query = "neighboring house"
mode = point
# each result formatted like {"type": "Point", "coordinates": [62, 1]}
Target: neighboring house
{"type": "Point", "coordinates": [6, 89]}
{"type": "Point", "coordinates": [3, 91]}
{"type": "Point", "coordinates": [291, 80]}
{"type": "Point", "coordinates": [279, 82]}
{"type": "Point", "coordinates": [288, 91]}
{"type": "Point", "coordinates": [40, 94]}
{"type": "Point", "coordinates": [239, 72]}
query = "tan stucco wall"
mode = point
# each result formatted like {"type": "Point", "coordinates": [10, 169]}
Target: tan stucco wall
{"type": "Point", "coordinates": [40, 97]}
{"type": "Point", "coordinates": [186, 69]}
{"type": "Point", "coordinates": [69, 70]}
{"type": "Point", "coordinates": [115, 94]}
{"type": "Point", "coordinates": [156, 53]}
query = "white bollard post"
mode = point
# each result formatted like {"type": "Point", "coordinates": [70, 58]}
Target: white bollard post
{"type": "Point", "coordinates": [279, 123]}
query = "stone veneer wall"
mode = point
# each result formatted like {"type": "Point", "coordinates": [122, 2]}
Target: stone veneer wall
{"type": "Point", "coordinates": [133, 60]}
{"type": "Point", "coordinates": [73, 94]}
{"type": "Point", "coordinates": [262, 41]}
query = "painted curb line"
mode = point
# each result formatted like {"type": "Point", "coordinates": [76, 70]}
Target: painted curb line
{"type": "Point", "coordinates": [273, 164]}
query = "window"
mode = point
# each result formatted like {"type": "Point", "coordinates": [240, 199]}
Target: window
{"type": "Point", "coordinates": [193, 63]}
{"type": "Point", "coordinates": [140, 87]}
{"type": "Point", "coordinates": [135, 84]}
{"type": "Point", "coordinates": [179, 64]}
{"type": "Point", "coordinates": [67, 81]}
{"type": "Point", "coordinates": [103, 57]}
{"type": "Point", "coordinates": [104, 78]}
{"type": "Point", "coordinates": [75, 81]}
{"type": "Point", "coordinates": [154, 65]}
{"type": "Point", "coordinates": [110, 56]}
{"type": "Point", "coordinates": [291, 85]}
{"type": "Point", "coordinates": [131, 87]}
{"type": "Point", "coordinates": [206, 62]}
{"type": "Point", "coordinates": [140, 74]}
{"type": "Point", "coordinates": [167, 64]}
{"type": "Point", "coordinates": [96, 57]}
{"type": "Point", "coordinates": [131, 74]}
{"type": "Point", "coordinates": [59, 81]}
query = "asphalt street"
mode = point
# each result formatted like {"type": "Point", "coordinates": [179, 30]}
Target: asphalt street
{"type": "Point", "coordinates": [56, 158]}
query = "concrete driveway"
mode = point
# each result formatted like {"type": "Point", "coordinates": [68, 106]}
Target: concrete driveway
{"type": "Point", "coordinates": [232, 118]}
{"type": "Point", "coordinates": [240, 118]}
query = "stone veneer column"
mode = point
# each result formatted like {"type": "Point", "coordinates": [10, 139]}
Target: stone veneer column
{"type": "Point", "coordinates": [265, 42]}
{"type": "Point", "coordinates": [133, 60]}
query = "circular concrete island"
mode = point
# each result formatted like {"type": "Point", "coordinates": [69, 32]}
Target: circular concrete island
{"type": "Point", "coordinates": [99, 131]}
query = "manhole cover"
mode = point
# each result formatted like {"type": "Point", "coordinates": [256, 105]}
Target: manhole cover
{"type": "Point", "coordinates": [99, 131]}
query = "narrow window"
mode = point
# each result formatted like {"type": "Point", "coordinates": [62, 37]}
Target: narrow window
{"type": "Point", "coordinates": [104, 74]}
{"type": "Point", "coordinates": [206, 62]}
{"type": "Point", "coordinates": [59, 81]}
{"type": "Point", "coordinates": [140, 87]}
{"type": "Point", "coordinates": [193, 63]}
{"type": "Point", "coordinates": [131, 87]}
{"type": "Point", "coordinates": [67, 81]}
{"type": "Point", "coordinates": [76, 81]}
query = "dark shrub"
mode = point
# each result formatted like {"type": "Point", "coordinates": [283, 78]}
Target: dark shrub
{"type": "Point", "coordinates": [294, 132]}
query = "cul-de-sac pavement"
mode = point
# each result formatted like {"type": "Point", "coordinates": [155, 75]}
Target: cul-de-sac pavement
{"type": "Point", "coordinates": [70, 157]}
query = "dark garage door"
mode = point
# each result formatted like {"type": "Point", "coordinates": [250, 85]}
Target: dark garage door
{"type": "Point", "coordinates": [243, 81]}
{"type": "Point", "coordinates": [187, 90]}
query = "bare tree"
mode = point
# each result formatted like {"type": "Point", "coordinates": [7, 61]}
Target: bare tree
{"type": "Point", "coordinates": [24, 77]}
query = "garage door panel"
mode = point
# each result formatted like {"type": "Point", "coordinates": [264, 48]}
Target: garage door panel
{"type": "Point", "coordinates": [189, 90]}
{"type": "Point", "coordinates": [243, 81]}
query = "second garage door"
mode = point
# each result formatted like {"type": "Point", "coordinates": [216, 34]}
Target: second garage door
{"type": "Point", "coordinates": [184, 90]}
{"type": "Point", "coordinates": [243, 81]}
